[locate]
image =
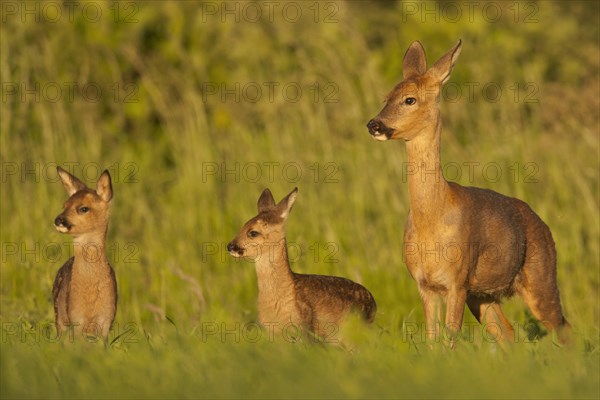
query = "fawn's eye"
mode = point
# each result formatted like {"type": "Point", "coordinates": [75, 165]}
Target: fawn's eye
{"type": "Point", "coordinates": [253, 234]}
{"type": "Point", "coordinates": [83, 210]}
{"type": "Point", "coordinates": [410, 101]}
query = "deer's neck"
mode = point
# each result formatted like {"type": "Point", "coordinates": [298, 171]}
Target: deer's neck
{"type": "Point", "coordinates": [427, 187]}
{"type": "Point", "coordinates": [90, 253]}
{"type": "Point", "coordinates": [273, 270]}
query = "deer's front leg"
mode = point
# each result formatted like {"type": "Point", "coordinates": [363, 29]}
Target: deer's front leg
{"type": "Point", "coordinates": [455, 308]}
{"type": "Point", "coordinates": [432, 306]}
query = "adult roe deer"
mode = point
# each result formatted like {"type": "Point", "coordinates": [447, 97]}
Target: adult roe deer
{"type": "Point", "coordinates": [85, 288]}
{"type": "Point", "coordinates": [312, 302]}
{"type": "Point", "coordinates": [510, 249]}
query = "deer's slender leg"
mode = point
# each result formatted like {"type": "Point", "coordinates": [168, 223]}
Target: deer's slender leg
{"type": "Point", "coordinates": [490, 315]}
{"type": "Point", "coordinates": [432, 305]}
{"type": "Point", "coordinates": [455, 307]}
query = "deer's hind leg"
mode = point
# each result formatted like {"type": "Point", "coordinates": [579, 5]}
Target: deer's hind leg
{"type": "Point", "coordinates": [540, 293]}
{"type": "Point", "coordinates": [489, 314]}
{"type": "Point", "coordinates": [536, 282]}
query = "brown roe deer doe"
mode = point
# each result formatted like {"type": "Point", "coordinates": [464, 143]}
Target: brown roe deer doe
{"type": "Point", "coordinates": [464, 244]}
{"type": "Point", "coordinates": [312, 302]}
{"type": "Point", "coordinates": [85, 288]}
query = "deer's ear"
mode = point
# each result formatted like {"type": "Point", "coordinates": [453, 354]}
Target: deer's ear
{"type": "Point", "coordinates": [104, 187]}
{"type": "Point", "coordinates": [265, 201]}
{"type": "Point", "coordinates": [443, 67]}
{"type": "Point", "coordinates": [71, 183]}
{"type": "Point", "coordinates": [414, 63]}
{"type": "Point", "coordinates": [285, 205]}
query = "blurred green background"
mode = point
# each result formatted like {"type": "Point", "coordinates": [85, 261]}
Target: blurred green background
{"type": "Point", "coordinates": [196, 107]}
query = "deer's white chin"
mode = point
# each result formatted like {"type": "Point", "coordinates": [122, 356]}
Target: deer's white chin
{"type": "Point", "coordinates": [61, 228]}
{"type": "Point", "coordinates": [380, 136]}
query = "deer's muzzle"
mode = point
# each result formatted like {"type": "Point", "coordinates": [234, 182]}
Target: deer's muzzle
{"type": "Point", "coordinates": [61, 224]}
{"type": "Point", "coordinates": [379, 130]}
{"type": "Point", "coordinates": [235, 250]}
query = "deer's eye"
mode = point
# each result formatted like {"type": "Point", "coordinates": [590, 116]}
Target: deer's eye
{"type": "Point", "coordinates": [410, 101]}
{"type": "Point", "coordinates": [83, 210]}
{"type": "Point", "coordinates": [253, 234]}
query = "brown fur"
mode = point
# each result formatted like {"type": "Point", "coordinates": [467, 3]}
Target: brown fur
{"type": "Point", "coordinates": [464, 244]}
{"type": "Point", "coordinates": [85, 288]}
{"type": "Point", "coordinates": [312, 302]}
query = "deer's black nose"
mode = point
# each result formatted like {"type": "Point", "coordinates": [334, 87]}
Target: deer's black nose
{"type": "Point", "coordinates": [58, 221]}
{"type": "Point", "coordinates": [233, 247]}
{"type": "Point", "coordinates": [373, 126]}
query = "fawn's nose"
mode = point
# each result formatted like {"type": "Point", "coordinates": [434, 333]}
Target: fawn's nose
{"type": "Point", "coordinates": [373, 126]}
{"type": "Point", "coordinates": [234, 248]}
{"type": "Point", "coordinates": [61, 224]}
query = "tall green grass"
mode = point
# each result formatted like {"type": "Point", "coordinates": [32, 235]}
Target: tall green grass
{"type": "Point", "coordinates": [162, 132]}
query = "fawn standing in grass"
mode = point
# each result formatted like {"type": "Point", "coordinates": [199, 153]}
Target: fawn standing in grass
{"type": "Point", "coordinates": [312, 302]}
{"type": "Point", "coordinates": [464, 244]}
{"type": "Point", "coordinates": [85, 288]}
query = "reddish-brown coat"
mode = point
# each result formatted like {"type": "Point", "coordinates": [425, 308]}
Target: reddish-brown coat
{"type": "Point", "coordinates": [498, 245]}
{"type": "Point", "coordinates": [85, 288]}
{"type": "Point", "coordinates": [312, 302]}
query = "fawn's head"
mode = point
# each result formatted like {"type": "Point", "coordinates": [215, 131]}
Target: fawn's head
{"type": "Point", "coordinates": [264, 230]}
{"type": "Point", "coordinates": [413, 103]}
{"type": "Point", "coordinates": [86, 210]}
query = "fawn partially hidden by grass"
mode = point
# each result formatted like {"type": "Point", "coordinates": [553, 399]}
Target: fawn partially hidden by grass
{"type": "Point", "coordinates": [85, 288]}
{"type": "Point", "coordinates": [311, 302]}
{"type": "Point", "coordinates": [510, 249]}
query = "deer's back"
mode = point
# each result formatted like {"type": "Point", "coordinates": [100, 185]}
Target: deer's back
{"type": "Point", "coordinates": [330, 298]}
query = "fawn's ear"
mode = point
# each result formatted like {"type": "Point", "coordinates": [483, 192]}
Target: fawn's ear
{"type": "Point", "coordinates": [265, 201]}
{"type": "Point", "coordinates": [414, 63]}
{"type": "Point", "coordinates": [442, 67]}
{"type": "Point", "coordinates": [104, 187]}
{"type": "Point", "coordinates": [285, 205]}
{"type": "Point", "coordinates": [71, 183]}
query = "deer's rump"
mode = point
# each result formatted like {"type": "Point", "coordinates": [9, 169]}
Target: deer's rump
{"type": "Point", "coordinates": [499, 237]}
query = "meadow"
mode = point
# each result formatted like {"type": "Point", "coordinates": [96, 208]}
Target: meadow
{"type": "Point", "coordinates": [196, 107]}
